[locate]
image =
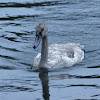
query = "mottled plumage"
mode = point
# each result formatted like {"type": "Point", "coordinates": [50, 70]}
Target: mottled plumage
{"type": "Point", "coordinates": [62, 55]}
{"type": "Point", "coordinates": [56, 55]}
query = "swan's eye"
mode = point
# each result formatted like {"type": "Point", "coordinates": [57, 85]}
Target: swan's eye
{"type": "Point", "coordinates": [41, 32]}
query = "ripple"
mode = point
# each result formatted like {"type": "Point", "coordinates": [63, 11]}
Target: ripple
{"type": "Point", "coordinates": [94, 67]}
{"type": "Point", "coordinates": [17, 17]}
{"type": "Point", "coordinates": [10, 49]}
{"type": "Point", "coordinates": [15, 39]}
{"type": "Point", "coordinates": [12, 88]}
{"type": "Point", "coordinates": [13, 24]}
{"type": "Point", "coordinates": [89, 51]}
{"type": "Point", "coordinates": [91, 76]}
{"type": "Point", "coordinates": [83, 85]}
{"type": "Point", "coordinates": [77, 85]}
{"type": "Point", "coordinates": [29, 5]}
{"type": "Point", "coordinates": [27, 64]}
{"type": "Point", "coordinates": [7, 67]}
{"type": "Point", "coordinates": [8, 57]}
{"type": "Point", "coordinates": [18, 33]}
{"type": "Point", "coordinates": [95, 95]}
{"type": "Point", "coordinates": [68, 76]}
{"type": "Point", "coordinates": [12, 39]}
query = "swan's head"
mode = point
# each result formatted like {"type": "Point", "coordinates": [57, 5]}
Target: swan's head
{"type": "Point", "coordinates": [41, 32]}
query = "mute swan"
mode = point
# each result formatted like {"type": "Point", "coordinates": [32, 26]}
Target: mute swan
{"type": "Point", "coordinates": [56, 55]}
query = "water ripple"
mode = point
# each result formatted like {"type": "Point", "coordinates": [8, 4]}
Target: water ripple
{"type": "Point", "coordinates": [12, 88]}
{"type": "Point", "coordinates": [77, 85]}
{"type": "Point", "coordinates": [17, 17]}
{"type": "Point", "coordinates": [8, 57]}
{"type": "Point", "coordinates": [7, 67]}
{"type": "Point", "coordinates": [83, 85]}
{"type": "Point", "coordinates": [29, 5]}
{"type": "Point", "coordinates": [95, 95]}
{"type": "Point", "coordinates": [11, 23]}
{"type": "Point", "coordinates": [87, 77]}
{"type": "Point", "coordinates": [68, 76]}
{"type": "Point", "coordinates": [94, 67]}
{"type": "Point", "coordinates": [10, 49]}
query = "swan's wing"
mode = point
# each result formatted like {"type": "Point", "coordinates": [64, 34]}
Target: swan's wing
{"type": "Point", "coordinates": [62, 54]}
{"type": "Point", "coordinates": [69, 51]}
{"type": "Point", "coordinates": [63, 49]}
{"type": "Point", "coordinates": [59, 55]}
{"type": "Point", "coordinates": [66, 54]}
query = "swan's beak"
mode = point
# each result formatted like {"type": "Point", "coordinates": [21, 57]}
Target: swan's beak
{"type": "Point", "coordinates": [37, 41]}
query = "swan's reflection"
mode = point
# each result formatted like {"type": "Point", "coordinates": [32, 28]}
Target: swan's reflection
{"type": "Point", "coordinates": [45, 87]}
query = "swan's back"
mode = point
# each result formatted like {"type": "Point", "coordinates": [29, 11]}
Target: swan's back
{"type": "Point", "coordinates": [62, 55]}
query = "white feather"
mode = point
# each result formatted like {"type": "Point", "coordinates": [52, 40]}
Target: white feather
{"type": "Point", "coordinates": [62, 55]}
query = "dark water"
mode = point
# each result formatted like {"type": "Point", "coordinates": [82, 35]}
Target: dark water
{"type": "Point", "coordinates": [68, 21]}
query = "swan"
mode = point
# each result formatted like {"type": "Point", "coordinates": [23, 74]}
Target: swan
{"type": "Point", "coordinates": [55, 55]}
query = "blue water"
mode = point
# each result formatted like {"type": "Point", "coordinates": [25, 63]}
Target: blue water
{"type": "Point", "coordinates": [68, 21]}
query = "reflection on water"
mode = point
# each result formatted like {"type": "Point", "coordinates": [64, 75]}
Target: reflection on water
{"type": "Point", "coordinates": [45, 87]}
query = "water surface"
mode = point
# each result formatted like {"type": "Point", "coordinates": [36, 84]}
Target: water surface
{"type": "Point", "coordinates": [68, 21]}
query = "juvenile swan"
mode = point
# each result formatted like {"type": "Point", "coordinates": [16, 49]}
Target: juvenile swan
{"type": "Point", "coordinates": [56, 55]}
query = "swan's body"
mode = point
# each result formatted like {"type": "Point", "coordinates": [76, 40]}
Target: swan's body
{"type": "Point", "coordinates": [56, 55]}
{"type": "Point", "coordinates": [62, 55]}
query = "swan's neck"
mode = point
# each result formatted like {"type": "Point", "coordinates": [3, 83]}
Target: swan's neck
{"type": "Point", "coordinates": [44, 53]}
